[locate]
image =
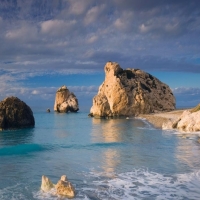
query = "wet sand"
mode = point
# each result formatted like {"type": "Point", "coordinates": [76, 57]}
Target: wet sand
{"type": "Point", "coordinates": [157, 119]}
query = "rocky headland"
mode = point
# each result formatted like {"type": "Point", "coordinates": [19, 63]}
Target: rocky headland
{"type": "Point", "coordinates": [65, 101]}
{"type": "Point", "coordinates": [184, 121]}
{"type": "Point", "coordinates": [15, 114]}
{"type": "Point", "coordinates": [188, 121]}
{"type": "Point", "coordinates": [130, 92]}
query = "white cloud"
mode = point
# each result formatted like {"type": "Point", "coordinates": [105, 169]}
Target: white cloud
{"type": "Point", "coordinates": [78, 7]}
{"type": "Point", "coordinates": [93, 39]}
{"type": "Point", "coordinates": [57, 27]}
{"type": "Point", "coordinates": [187, 96]}
{"type": "Point", "coordinates": [125, 21]}
{"type": "Point", "coordinates": [24, 33]}
{"type": "Point", "coordinates": [93, 14]}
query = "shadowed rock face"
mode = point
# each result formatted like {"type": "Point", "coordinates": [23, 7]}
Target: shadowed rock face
{"type": "Point", "coordinates": [15, 114]}
{"type": "Point", "coordinates": [65, 101]}
{"type": "Point", "coordinates": [130, 92]}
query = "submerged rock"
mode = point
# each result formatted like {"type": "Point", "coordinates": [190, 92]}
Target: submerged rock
{"type": "Point", "coordinates": [65, 101]}
{"type": "Point", "coordinates": [130, 92]}
{"type": "Point", "coordinates": [15, 114]}
{"type": "Point", "coordinates": [62, 188]}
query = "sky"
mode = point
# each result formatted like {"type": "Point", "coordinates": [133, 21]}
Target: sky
{"type": "Point", "coordinates": [45, 44]}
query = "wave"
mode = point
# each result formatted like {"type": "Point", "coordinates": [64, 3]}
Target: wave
{"type": "Point", "coordinates": [142, 184]}
{"type": "Point", "coordinates": [135, 185]}
{"type": "Point", "coordinates": [22, 149]}
{"type": "Point", "coordinates": [94, 145]}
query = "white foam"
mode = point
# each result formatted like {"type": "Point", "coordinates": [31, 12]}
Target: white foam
{"type": "Point", "coordinates": [142, 184]}
{"type": "Point", "coordinates": [136, 185]}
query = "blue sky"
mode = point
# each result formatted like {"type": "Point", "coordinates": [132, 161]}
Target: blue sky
{"type": "Point", "coordinates": [45, 44]}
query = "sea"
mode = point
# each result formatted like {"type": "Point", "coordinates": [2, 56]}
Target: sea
{"type": "Point", "coordinates": [108, 159]}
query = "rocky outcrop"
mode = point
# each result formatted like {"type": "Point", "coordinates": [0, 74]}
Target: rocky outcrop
{"type": "Point", "coordinates": [130, 92]}
{"type": "Point", "coordinates": [65, 101]}
{"type": "Point", "coordinates": [15, 114]}
{"type": "Point", "coordinates": [46, 184]}
{"type": "Point", "coordinates": [189, 121]}
{"type": "Point", "coordinates": [65, 188]}
{"type": "Point", "coordinates": [62, 188]}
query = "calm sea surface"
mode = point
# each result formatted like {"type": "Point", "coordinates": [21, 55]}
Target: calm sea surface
{"type": "Point", "coordinates": [104, 159]}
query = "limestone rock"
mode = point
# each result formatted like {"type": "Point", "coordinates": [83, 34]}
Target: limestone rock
{"type": "Point", "coordinates": [46, 184]}
{"type": "Point", "coordinates": [189, 121]}
{"type": "Point", "coordinates": [62, 188]}
{"type": "Point", "coordinates": [14, 114]}
{"type": "Point", "coordinates": [130, 92]}
{"type": "Point", "coordinates": [65, 101]}
{"type": "Point", "coordinates": [65, 188]}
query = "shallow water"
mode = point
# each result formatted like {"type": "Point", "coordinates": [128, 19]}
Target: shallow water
{"type": "Point", "coordinates": [104, 159]}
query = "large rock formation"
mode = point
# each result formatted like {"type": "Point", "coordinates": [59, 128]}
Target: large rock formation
{"type": "Point", "coordinates": [189, 121]}
{"type": "Point", "coordinates": [130, 92]}
{"type": "Point", "coordinates": [65, 101]}
{"type": "Point", "coordinates": [14, 114]}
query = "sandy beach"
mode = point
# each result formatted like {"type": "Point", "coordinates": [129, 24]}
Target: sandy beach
{"type": "Point", "coordinates": [157, 119]}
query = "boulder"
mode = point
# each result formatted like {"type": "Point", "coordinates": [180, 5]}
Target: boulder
{"type": "Point", "coordinates": [15, 114]}
{"type": "Point", "coordinates": [130, 92]}
{"type": "Point", "coordinates": [189, 121]}
{"type": "Point", "coordinates": [65, 101]}
{"type": "Point", "coordinates": [65, 188]}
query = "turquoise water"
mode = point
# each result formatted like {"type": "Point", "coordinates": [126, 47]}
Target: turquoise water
{"type": "Point", "coordinates": [104, 159]}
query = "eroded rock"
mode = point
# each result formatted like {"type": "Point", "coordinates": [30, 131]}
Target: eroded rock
{"type": "Point", "coordinates": [65, 101]}
{"type": "Point", "coordinates": [62, 188]}
{"type": "Point", "coordinates": [189, 121]}
{"type": "Point", "coordinates": [65, 188]}
{"type": "Point", "coordinates": [46, 184]}
{"type": "Point", "coordinates": [130, 92]}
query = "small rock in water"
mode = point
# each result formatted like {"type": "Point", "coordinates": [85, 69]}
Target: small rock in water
{"type": "Point", "coordinates": [48, 110]}
{"type": "Point", "coordinates": [46, 184]}
{"type": "Point", "coordinates": [62, 188]}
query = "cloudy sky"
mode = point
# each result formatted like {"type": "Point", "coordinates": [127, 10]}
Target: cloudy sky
{"type": "Point", "coordinates": [45, 44]}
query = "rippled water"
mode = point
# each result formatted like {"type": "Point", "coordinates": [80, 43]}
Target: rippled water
{"type": "Point", "coordinates": [104, 159]}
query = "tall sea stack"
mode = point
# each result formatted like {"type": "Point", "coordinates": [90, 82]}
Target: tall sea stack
{"type": "Point", "coordinates": [65, 101]}
{"type": "Point", "coordinates": [130, 92]}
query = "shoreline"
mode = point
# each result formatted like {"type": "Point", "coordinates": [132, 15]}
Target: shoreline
{"type": "Point", "coordinates": [157, 119]}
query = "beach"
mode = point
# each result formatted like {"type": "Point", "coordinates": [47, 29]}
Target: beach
{"type": "Point", "coordinates": [157, 119]}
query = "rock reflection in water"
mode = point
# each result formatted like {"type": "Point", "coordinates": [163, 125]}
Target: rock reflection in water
{"type": "Point", "coordinates": [108, 131]}
{"type": "Point", "coordinates": [15, 137]}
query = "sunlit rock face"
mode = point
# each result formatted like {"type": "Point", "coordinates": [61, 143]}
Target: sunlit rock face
{"type": "Point", "coordinates": [130, 92]}
{"type": "Point", "coordinates": [62, 189]}
{"type": "Point", "coordinates": [65, 101]}
{"type": "Point", "coordinates": [15, 114]}
{"type": "Point", "coordinates": [189, 121]}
